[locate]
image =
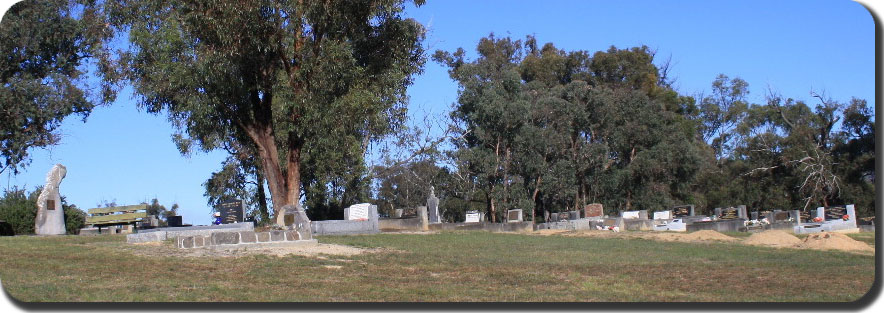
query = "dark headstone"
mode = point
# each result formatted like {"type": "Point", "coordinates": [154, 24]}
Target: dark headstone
{"type": "Point", "coordinates": [6, 229]}
{"type": "Point", "coordinates": [231, 211]}
{"type": "Point", "coordinates": [174, 221]}
{"type": "Point", "coordinates": [593, 210]}
{"type": "Point", "coordinates": [573, 215]}
{"type": "Point", "coordinates": [681, 211]}
{"type": "Point", "coordinates": [780, 216]}
{"type": "Point", "coordinates": [835, 212]}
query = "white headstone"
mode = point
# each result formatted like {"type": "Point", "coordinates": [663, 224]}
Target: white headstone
{"type": "Point", "coordinates": [357, 212]}
{"type": "Point", "coordinates": [50, 216]}
{"type": "Point", "coordinates": [662, 215]}
{"type": "Point", "coordinates": [472, 217]}
{"type": "Point", "coordinates": [630, 214]}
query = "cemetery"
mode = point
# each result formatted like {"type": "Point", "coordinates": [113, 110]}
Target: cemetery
{"type": "Point", "coordinates": [356, 151]}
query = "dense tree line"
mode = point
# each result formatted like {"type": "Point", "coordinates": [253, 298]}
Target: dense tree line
{"type": "Point", "coordinates": [549, 130]}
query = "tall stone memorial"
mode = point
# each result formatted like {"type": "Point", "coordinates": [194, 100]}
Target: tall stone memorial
{"type": "Point", "coordinates": [295, 218]}
{"type": "Point", "coordinates": [433, 207]}
{"type": "Point", "coordinates": [50, 216]}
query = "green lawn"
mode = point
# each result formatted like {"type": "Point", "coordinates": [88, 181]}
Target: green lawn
{"type": "Point", "coordinates": [449, 266]}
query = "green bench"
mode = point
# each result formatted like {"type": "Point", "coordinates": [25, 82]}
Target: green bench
{"type": "Point", "coordinates": [119, 215]}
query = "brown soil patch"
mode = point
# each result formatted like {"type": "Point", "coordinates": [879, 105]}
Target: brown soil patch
{"type": "Point", "coordinates": [834, 241]}
{"type": "Point", "coordinates": [547, 232]}
{"type": "Point", "coordinates": [773, 238]}
{"type": "Point", "coordinates": [697, 236]}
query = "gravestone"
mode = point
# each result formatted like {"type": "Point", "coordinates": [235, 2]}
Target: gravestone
{"type": "Point", "coordinates": [433, 207]}
{"type": "Point", "coordinates": [663, 215]}
{"type": "Point", "coordinates": [472, 217]}
{"type": "Point", "coordinates": [357, 212]}
{"type": "Point", "coordinates": [546, 216]}
{"type": "Point", "coordinates": [174, 221]}
{"type": "Point", "coordinates": [397, 213]}
{"type": "Point", "coordinates": [563, 216]}
{"type": "Point", "coordinates": [780, 216]}
{"type": "Point", "coordinates": [514, 215]}
{"type": "Point", "coordinates": [593, 210]}
{"type": "Point", "coordinates": [629, 214]}
{"type": "Point", "coordinates": [835, 213]}
{"type": "Point", "coordinates": [50, 216]}
{"type": "Point", "coordinates": [573, 215]}
{"type": "Point", "coordinates": [296, 219]}
{"type": "Point", "coordinates": [554, 217]}
{"type": "Point", "coordinates": [231, 211]}
{"type": "Point", "coordinates": [683, 211]}
{"type": "Point", "coordinates": [754, 215]}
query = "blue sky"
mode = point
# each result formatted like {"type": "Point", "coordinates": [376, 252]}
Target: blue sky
{"type": "Point", "coordinates": [125, 155]}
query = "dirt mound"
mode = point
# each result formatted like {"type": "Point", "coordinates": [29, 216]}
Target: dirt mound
{"type": "Point", "coordinates": [697, 236]}
{"type": "Point", "coordinates": [834, 241]}
{"type": "Point", "coordinates": [709, 235]}
{"type": "Point", "coordinates": [773, 238]}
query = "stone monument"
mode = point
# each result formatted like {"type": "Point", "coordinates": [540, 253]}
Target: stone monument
{"type": "Point", "coordinates": [433, 207]}
{"type": "Point", "coordinates": [296, 219]}
{"type": "Point", "coordinates": [50, 216]}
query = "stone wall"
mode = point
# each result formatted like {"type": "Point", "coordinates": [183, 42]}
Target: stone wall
{"type": "Point", "coordinates": [401, 224]}
{"type": "Point", "coordinates": [231, 238]}
{"type": "Point", "coordinates": [343, 227]}
{"type": "Point", "coordinates": [729, 225]}
{"type": "Point", "coordinates": [160, 234]}
{"type": "Point", "coordinates": [486, 226]}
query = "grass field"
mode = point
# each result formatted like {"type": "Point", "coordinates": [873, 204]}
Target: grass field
{"type": "Point", "coordinates": [448, 266]}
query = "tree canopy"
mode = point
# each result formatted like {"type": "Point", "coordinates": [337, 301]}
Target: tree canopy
{"type": "Point", "coordinates": [294, 80]}
{"type": "Point", "coordinates": [48, 48]}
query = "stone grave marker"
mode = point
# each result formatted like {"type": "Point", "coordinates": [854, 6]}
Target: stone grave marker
{"type": "Point", "coordinates": [780, 216]}
{"type": "Point", "coordinates": [573, 215]}
{"type": "Point", "coordinates": [297, 220]}
{"type": "Point", "coordinates": [514, 215]}
{"type": "Point", "coordinates": [835, 212]}
{"type": "Point", "coordinates": [663, 215]}
{"type": "Point", "coordinates": [546, 216]}
{"type": "Point", "coordinates": [629, 215]}
{"type": "Point", "coordinates": [231, 211]}
{"type": "Point", "coordinates": [50, 216]}
{"type": "Point", "coordinates": [357, 212]}
{"type": "Point", "coordinates": [397, 213]}
{"type": "Point", "coordinates": [683, 211]}
{"type": "Point", "coordinates": [472, 217]}
{"type": "Point", "coordinates": [433, 207]}
{"type": "Point", "coordinates": [593, 210]}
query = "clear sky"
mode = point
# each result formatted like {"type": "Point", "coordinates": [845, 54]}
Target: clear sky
{"type": "Point", "coordinates": [125, 155]}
